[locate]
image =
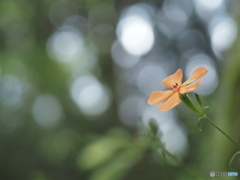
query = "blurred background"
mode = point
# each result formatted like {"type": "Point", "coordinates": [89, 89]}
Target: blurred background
{"type": "Point", "coordinates": [75, 76]}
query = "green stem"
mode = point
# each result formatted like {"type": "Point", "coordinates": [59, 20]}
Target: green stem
{"type": "Point", "coordinates": [211, 122]}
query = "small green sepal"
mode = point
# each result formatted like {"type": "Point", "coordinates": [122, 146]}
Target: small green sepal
{"type": "Point", "coordinates": [189, 103]}
{"type": "Point", "coordinates": [199, 101]}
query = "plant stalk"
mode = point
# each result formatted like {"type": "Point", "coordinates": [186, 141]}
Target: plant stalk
{"type": "Point", "coordinates": [211, 122]}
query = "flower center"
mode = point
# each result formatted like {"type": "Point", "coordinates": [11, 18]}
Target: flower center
{"type": "Point", "coordinates": [175, 86]}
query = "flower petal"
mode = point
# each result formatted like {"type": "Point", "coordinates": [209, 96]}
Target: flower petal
{"type": "Point", "coordinates": [159, 96]}
{"type": "Point", "coordinates": [171, 102]}
{"type": "Point", "coordinates": [190, 88]}
{"type": "Point", "coordinates": [198, 73]}
{"type": "Point", "coordinates": [173, 79]}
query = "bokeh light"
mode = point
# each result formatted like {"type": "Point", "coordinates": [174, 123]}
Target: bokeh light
{"type": "Point", "coordinates": [206, 10]}
{"type": "Point", "coordinates": [130, 110]}
{"type": "Point", "coordinates": [79, 22]}
{"type": "Point", "coordinates": [149, 79]}
{"type": "Point", "coordinates": [210, 80]}
{"type": "Point", "coordinates": [76, 76]}
{"type": "Point", "coordinates": [223, 31]}
{"type": "Point", "coordinates": [172, 20]}
{"type": "Point", "coordinates": [65, 44]}
{"type": "Point", "coordinates": [122, 58]}
{"type": "Point", "coordinates": [173, 135]}
{"type": "Point", "coordinates": [47, 110]}
{"type": "Point", "coordinates": [209, 5]}
{"type": "Point", "coordinates": [11, 91]}
{"type": "Point", "coordinates": [90, 95]}
{"type": "Point", "coordinates": [135, 31]}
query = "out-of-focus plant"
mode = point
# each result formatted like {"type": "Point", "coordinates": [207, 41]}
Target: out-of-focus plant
{"type": "Point", "coordinates": [178, 93]}
{"type": "Point", "coordinates": [111, 156]}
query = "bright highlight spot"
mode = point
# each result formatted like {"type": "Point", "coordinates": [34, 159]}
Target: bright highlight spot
{"type": "Point", "coordinates": [65, 44]}
{"type": "Point", "coordinates": [223, 32]}
{"type": "Point", "coordinates": [90, 95]}
{"type": "Point", "coordinates": [136, 35]}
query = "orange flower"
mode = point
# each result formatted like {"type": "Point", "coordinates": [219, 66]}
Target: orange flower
{"type": "Point", "coordinates": [174, 82]}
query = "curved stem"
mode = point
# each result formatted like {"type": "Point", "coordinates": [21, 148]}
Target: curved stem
{"type": "Point", "coordinates": [233, 158]}
{"type": "Point", "coordinates": [211, 122]}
